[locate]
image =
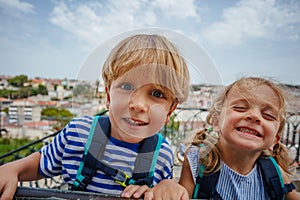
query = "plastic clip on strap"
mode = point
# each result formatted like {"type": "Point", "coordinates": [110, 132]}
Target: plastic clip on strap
{"type": "Point", "coordinates": [119, 176]}
{"type": "Point", "coordinates": [122, 178]}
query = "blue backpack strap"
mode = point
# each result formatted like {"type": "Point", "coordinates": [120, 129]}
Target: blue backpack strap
{"type": "Point", "coordinates": [205, 187]}
{"type": "Point", "coordinates": [273, 179]}
{"type": "Point", "coordinates": [94, 149]}
{"type": "Point", "coordinates": [145, 162]}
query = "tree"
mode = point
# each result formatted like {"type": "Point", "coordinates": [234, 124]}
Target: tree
{"type": "Point", "coordinates": [18, 81]}
{"type": "Point", "coordinates": [56, 113]}
{"type": "Point", "coordinates": [62, 115]}
{"type": "Point", "coordinates": [42, 90]}
{"type": "Point", "coordinates": [85, 90]}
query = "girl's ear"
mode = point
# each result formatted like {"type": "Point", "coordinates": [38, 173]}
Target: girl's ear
{"type": "Point", "coordinates": [277, 139]}
{"type": "Point", "coordinates": [216, 124]}
{"type": "Point", "coordinates": [107, 97]}
{"type": "Point", "coordinates": [173, 107]}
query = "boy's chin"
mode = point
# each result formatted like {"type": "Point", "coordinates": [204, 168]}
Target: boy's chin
{"type": "Point", "coordinates": [139, 134]}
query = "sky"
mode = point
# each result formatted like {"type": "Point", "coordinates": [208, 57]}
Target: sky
{"type": "Point", "coordinates": [56, 38]}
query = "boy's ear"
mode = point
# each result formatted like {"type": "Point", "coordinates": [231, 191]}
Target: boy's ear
{"type": "Point", "coordinates": [107, 97]}
{"type": "Point", "coordinates": [173, 107]}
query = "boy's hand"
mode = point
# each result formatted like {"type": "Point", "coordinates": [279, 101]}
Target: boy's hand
{"type": "Point", "coordinates": [135, 191]}
{"type": "Point", "coordinates": [167, 189]}
{"type": "Point", "coordinates": [8, 182]}
{"type": "Point", "coordinates": [25, 169]}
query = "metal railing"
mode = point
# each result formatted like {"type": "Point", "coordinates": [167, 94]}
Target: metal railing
{"type": "Point", "coordinates": [183, 123]}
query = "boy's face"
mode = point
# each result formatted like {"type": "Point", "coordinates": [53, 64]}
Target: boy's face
{"type": "Point", "coordinates": [138, 107]}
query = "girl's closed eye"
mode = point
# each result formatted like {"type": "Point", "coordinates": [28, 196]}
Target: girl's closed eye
{"type": "Point", "coordinates": [269, 116]}
{"type": "Point", "coordinates": [239, 108]}
{"type": "Point", "coordinates": [126, 86]}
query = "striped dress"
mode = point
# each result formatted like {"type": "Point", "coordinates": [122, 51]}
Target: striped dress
{"type": "Point", "coordinates": [63, 156]}
{"type": "Point", "coordinates": [232, 185]}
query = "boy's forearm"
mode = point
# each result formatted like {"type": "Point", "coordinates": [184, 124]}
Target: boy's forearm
{"type": "Point", "coordinates": [28, 167]}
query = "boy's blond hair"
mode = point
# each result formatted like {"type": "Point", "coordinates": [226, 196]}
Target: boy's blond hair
{"type": "Point", "coordinates": [156, 57]}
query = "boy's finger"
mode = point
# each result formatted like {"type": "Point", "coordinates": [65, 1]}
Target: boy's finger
{"type": "Point", "coordinates": [129, 191]}
{"type": "Point", "coordinates": [140, 191]}
{"type": "Point", "coordinates": [8, 193]}
{"type": "Point", "coordinates": [148, 195]}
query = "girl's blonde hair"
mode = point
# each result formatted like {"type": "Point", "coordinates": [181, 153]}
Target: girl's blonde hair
{"type": "Point", "coordinates": [156, 57]}
{"type": "Point", "coordinates": [212, 159]}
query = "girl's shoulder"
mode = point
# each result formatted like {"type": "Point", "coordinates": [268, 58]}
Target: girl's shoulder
{"type": "Point", "coordinates": [192, 156]}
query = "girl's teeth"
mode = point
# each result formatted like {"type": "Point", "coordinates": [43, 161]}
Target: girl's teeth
{"type": "Point", "coordinates": [245, 130]}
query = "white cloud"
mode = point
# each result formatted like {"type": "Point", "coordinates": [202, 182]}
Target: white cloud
{"type": "Point", "coordinates": [177, 8]}
{"type": "Point", "coordinates": [94, 21]}
{"type": "Point", "coordinates": [97, 21]}
{"type": "Point", "coordinates": [255, 19]}
{"type": "Point", "coordinates": [16, 5]}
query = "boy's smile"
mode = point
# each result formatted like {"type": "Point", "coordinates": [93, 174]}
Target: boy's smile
{"type": "Point", "coordinates": [135, 122]}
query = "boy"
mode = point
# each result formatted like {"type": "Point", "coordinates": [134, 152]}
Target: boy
{"type": "Point", "coordinates": [145, 79]}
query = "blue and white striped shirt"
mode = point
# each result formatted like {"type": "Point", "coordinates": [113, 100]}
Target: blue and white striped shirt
{"type": "Point", "coordinates": [64, 154]}
{"type": "Point", "coordinates": [232, 185]}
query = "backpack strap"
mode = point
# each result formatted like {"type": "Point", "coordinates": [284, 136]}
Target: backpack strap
{"type": "Point", "coordinates": [205, 187]}
{"type": "Point", "coordinates": [94, 149]}
{"type": "Point", "coordinates": [144, 165]}
{"type": "Point", "coordinates": [273, 178]}
{"type": "Point", "coordinates": [145, 162]}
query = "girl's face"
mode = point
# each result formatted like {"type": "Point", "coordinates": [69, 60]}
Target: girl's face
{"type": "Point", "coordinates": [250, 119]}
{"type": "Point", "coordinates": [138, 107]}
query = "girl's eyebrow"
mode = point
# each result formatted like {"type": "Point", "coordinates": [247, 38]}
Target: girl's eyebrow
{"type": "Point", "coordinates": [240, 100]}
{"type": "Point", "coordinates": [266, 105]}
{"type": "Point", "coordinates": [270, 107]}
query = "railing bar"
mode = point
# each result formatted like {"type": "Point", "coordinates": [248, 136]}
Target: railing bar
{"type": "Point", "coordinates": [28, 145]}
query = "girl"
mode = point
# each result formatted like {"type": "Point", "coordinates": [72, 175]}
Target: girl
{"type": "Point", "coordinates": [248, 120]}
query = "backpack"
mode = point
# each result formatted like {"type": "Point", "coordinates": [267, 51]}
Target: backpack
{"type": "Point", "coordinates": [144, 166]}
{"type": "Point", "coordinates": [271, 176]}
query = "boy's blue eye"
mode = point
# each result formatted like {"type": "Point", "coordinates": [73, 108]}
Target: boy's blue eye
{"type": "Point", "coordinates": [157, 93]}
{"type": "Point", "coordinates": [127, 86]}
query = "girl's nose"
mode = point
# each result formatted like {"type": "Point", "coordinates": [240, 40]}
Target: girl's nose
{"type": "Point", "coordinates": [254, 116]}
{"type": "Point", "coordinates": [138, 101]}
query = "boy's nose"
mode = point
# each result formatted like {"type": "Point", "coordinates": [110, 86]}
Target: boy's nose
{"type": "Point", "coordinates": [138, 101]}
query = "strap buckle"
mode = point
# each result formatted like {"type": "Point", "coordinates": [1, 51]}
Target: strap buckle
{"type": "Point", "coordinates": [122, 178]}
{"type": "Point", "coordinates": [78, 185]}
